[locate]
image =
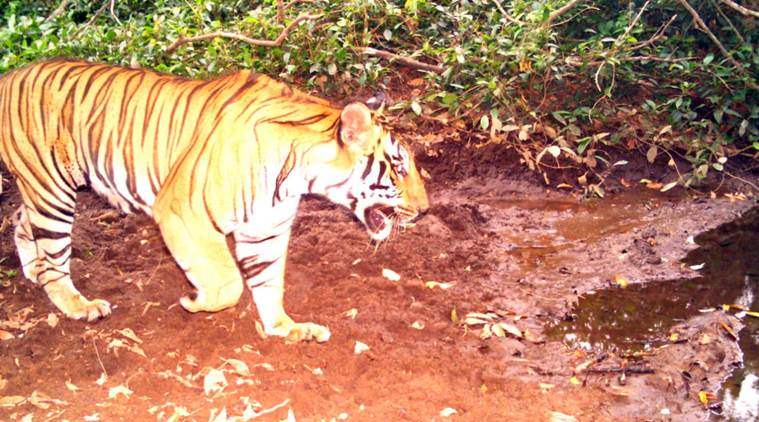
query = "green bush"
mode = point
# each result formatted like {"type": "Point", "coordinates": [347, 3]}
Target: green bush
{"type": "Point", "coordinates": [628, 73]}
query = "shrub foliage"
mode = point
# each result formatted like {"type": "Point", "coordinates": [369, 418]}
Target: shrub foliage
{"type": "Point", "coordinates": [558, 80]}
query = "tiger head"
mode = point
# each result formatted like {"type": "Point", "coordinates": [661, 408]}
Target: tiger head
{"type": "Point", "coordinates": [376, 176]}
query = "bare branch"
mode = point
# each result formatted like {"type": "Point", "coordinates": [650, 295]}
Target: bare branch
{"type": "Point", "coordinates": [659, 34]}
{"type": "Point", "coordinates": [116, 18]}
{"type": "Point", "coordinates": [729, 22]}
{"type": "Point", "coordinates": [700, 23]}
{"type": "Point", "coordinates": [241, 37]}
{"type": "Point", "coordinates": [416, 64]}
{"type": "Point", "coordinates": [506, 14]}
{"type": "Point", "coordinates": [742, 10]}
{"type": "Point", "coordinates": [281, 7]}
{"type": "Point", "coordinates": [58, 10]}
{"type": "Point", "coordinates": [562, 10]}
{"type": "Point", "coordinates": [89, 22]}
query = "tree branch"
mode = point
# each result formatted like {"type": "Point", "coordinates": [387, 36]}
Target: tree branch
{"type": "Point", "coordinates": [416, 64]}
{"type": "Point", "coordinates": [505, 14]}
{"type": "Point", "coordinates": [89, 22]}
{"type": "Point", "coordinates": [700, 23]}
{"type": "Point", "coordinates": [241, 37]}
{"type": "Point", "coordinates": [562, 10]}
{"type": "Point", "coordinates": [58, 10]}
{"type": "Point", "coordinates": [742, 10]}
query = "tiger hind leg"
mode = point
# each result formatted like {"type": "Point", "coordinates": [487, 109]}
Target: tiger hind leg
{"type": "Point", "coordinates": [51, 236]}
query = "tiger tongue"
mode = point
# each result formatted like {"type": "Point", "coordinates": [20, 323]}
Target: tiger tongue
{"type": "Point", "coordinates": [375, 219]}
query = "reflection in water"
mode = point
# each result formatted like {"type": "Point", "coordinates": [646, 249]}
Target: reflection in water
{"type": "Point", "coordinates": [639, 317]}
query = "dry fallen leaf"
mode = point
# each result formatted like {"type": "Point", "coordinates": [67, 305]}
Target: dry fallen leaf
{"type": "Point", "coordinates": [705, 397]}
{"type": "Point", "coordinates": [92, 418]}
{"type": "Point", "coordinates": [448, 411]}
{"type": "Point", "coordinates": [128, 333]}
{"type": "Point", "coordinates": [4, 335]}
{"type": "Point", "coordinates": [43, 401]}
{"type": "Point", "coordinates": [260, 330]}
{"type": "Point", "coordinates": [119, 389]}
{"type": "Point", "coordinates": [52, 320]}
{"type": "Point", "coordinates": [10, 401]}
{"type": "Point", "coordinates": [544, 387]}
{"type": "Point", "coordinates": [504, 327]}
{"type": "Point", "coordinates": [102, 379]}
{"type": "Point", "coordinates": [360, 348]}
{"type": "Point", "coordinates": [238, 366]}
{"type": "Point", "coordinates": [214, 381]}
{"type": "Point", "coordinates": [221, 417]}
{"type": "Point", "coordinates": [561, 417]}
{"type": "Point", "coordinates": [620, 281]}
{"type": "Point", "coordinates": [574, 380]}
{"type": "Point", "coordinates": [71, 387]}
{"type": "Point", "coordinates": [433, 284]}
{"type": "Point", "coordinates": [390, 274]}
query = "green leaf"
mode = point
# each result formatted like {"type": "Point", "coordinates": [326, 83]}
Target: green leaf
{"type": "Point", "coordinates": [484, 122]}
{"type": "Point", "coordinates": [708, 59]}
{"type": "Point", "coordinates": [742, 128]}
{"type": "Point", "coordinates": [416, 108]}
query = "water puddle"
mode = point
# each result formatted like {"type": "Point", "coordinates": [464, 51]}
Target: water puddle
{"type": "Point", "coordinates": [639, 317]}
{"type": "Point", "coordinates": [572, 221]}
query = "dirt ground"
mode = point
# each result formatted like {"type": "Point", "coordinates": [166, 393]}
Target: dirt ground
{"type": "Point", "coordinates": [503, 246]}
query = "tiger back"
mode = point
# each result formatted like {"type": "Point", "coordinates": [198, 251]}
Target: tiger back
{"type": "Point", "coordinates": [206, 159]}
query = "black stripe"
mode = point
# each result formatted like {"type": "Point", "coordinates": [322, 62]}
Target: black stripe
{"type": "Point", "coordinates": [251, 271]}
{"type": "Point", "coordinates": [40, 233]}
{"type": "Point", "coordinates": [368, 169]}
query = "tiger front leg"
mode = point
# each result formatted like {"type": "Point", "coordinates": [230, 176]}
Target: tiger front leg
{"type": "Point", "coordinates": [261, 259]}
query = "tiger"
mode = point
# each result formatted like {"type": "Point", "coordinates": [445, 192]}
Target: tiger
{"type": "Point", "coordinates": [209, 160]}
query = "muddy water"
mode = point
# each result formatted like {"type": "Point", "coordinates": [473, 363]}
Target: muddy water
{"type": "Point", "coordinates": [638, 317]}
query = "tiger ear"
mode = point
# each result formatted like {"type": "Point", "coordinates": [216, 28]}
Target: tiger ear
{"type": "Point", "coordinates": [356, 126]}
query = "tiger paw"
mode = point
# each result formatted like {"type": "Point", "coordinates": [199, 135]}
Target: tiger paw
{"type": "Point", "coordinates": [91, 310]}
{"type": "Point", "coordinates": [307, 331]}
{"type": "Point", "coordinates": [74, 305]}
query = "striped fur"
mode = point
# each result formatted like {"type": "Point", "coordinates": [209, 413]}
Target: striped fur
{"type": "Point", "coordinates": [206, 159]}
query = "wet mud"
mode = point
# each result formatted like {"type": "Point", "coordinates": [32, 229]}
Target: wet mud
{"type": "Point", "coordinates": [510, 262]}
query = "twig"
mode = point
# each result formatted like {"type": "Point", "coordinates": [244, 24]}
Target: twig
{"type": "Point", "coordinates": [401, 59]}
{"type": "Point", "coordinates": [58, 10]}
{"type": "Point", "coordinates": [241, 37]}
{"type": "Point", "coordinates": [633, 23]}
{"type": "Point", "coordinates": [113, 14]}
{"type": "Point", "coordinates": [700, 23]}
{"type": "Point", "coordinates": [89, 22]}
{"type": "Point", "coordinates": [656, 37]}
{"type": "Point", "coordinates": [742, 10]}
{"type": "Point", "coordinates": [562, 10]}
{"type": "Point", "coordinates": [98, 356]}
{"type": "Point", "coordinates": [729, 22]}
{"type": "Point", "coordinates": [505, 14]}
{"type": "Point", "coordinates": [630, 370]}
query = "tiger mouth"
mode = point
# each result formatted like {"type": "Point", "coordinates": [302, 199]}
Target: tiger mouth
{"type": "Point", "coordinates": [378, 218]}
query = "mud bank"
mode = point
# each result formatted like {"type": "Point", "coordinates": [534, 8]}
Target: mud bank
{"type": "Point", "coordinates": [502, 247]}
